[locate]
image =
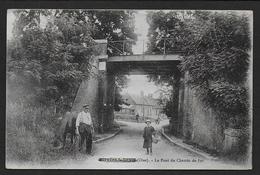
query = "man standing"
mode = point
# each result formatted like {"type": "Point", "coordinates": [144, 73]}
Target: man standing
{"type": "Point", "coordinates": [137, 117]}
{"type": "Point", "coordinates": [85, 128]}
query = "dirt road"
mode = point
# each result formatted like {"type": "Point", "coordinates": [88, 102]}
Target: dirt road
{"type": "Point", "coordinates": [128, 144]}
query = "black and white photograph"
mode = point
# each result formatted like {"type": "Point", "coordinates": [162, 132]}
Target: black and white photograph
{"type": "Point", "coordinates": [161, 89]}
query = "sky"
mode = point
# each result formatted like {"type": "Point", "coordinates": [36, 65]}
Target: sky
{"type": "Point", "coordinates": [141, 29]}
{"type": "Point", "coordinates": [137, 83]}
{"type": "Point", "coordinates": [140, 83]}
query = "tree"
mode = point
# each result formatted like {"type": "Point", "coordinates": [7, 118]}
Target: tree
{"type": "Point", "coordinates": [215, 47]}
{"type": "Point", "coordinates": [48, 62]}
{"type": "Point", "coordinates": [117, 25]}
{"type": "Point", "coordinates": [170, 98]}
{"type": "Point", "coordinates": [167, 30]}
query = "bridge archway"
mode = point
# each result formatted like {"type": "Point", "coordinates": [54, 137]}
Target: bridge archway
{"type": "Point", "coordinates": [142, 65]}
{"type": "Point", "coordinates": [99, 92]}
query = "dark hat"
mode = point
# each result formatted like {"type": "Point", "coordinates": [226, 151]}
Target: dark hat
{"type": "Point", "coordinates": [85, 106]}
{"type": "Point", "coordinates": [148, 121]}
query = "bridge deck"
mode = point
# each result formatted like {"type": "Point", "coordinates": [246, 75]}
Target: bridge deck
{"type": "Point", "coordinates": [145, 58]}
{"type": "Point", "coordinates": [143, 64]}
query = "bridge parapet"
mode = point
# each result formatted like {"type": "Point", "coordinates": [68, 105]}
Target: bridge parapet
{"type": "Point", "coordinates": [163, 46]}
{"type": "Point", "coordinates": [145, 58]}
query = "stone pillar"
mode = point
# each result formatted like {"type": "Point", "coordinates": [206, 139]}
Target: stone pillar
{"type": "Point", "coordinates": [110, 100]}
{"type": "Point", "coordinates": [175, 120]}
{"type": "Point", "coordinates": [102, 100]}
{"type": "Point", "coordinates": [102, 84]}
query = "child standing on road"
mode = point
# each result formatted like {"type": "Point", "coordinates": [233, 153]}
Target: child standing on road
{"type": "Point", "coordinates": [147, 135]}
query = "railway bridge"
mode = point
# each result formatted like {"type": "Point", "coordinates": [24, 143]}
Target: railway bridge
{"type": "Point", "coordinates": [192, 121]}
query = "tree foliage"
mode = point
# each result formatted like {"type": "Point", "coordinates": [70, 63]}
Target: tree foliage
{"type": "Point", "coordinates": [215, 47]}
{"type": "Point", "coordinates": [48, 62]}
{"type": "Point", "coordinates": [51, 51]}
{"type": "Point", "coordinates": [166, 30]}
{"type": "Point", "coordinates": [115, 25]}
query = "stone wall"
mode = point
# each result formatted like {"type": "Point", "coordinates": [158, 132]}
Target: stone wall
{"type": "Point", "coordinates": [88, 93]}
{"type": "Point", "coordinates": [93, 90]}
{"type": "Point", "coordinates": [200, 124]}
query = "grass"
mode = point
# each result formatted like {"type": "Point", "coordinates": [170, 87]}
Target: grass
{"type": "Point", "coordinates": [30, 133]}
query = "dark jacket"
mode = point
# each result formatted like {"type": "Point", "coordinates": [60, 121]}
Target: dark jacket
{"type": "Point", "coordinates": [147, 135]}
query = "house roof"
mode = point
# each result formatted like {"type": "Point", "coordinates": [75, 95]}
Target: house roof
{"type": "Point", "coordinates": [138, 100]}
{"type": "Point", "coordinates": [126, 106]}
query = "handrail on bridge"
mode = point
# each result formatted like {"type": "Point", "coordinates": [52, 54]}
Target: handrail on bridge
{"type": "Point", "coordinates": [121, 45]}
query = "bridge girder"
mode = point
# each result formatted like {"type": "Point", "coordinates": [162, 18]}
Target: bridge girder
{"type": "Point", "coordinates": [143, 64]}
{"type": "Point", "coordinates": [143, 67]}
{"type": "Point", "coordinates": [145, 58]}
